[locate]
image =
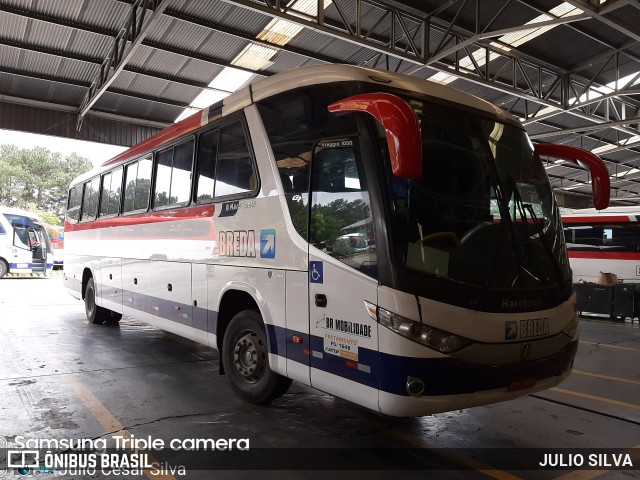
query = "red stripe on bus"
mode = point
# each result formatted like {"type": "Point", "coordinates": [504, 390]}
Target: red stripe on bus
{"type": "Point", "coordinates": [164, 136]}
{"type": "Point", "coordinates": [189, 213]}
{"type": "Point", "coordinates": [605, 255]}
{"type": "Point", "coordinates": [600, 219]}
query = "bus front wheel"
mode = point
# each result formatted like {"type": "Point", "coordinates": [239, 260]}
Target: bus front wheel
{"type": "Point", "coordinates": [4, 268]}
{"type": "Point", "coordinates": [245, 354]}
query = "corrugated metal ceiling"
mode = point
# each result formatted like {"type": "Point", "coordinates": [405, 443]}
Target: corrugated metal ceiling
{"type": "Point", "coordinates": [47, 44]}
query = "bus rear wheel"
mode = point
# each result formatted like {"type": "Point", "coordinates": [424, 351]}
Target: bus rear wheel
{"type": "Point", "coordinates": [95, 314]}
{"type": "Point", "coordinates": [245, 355]}
{"type": "Point", "coordinates": [4, 268]}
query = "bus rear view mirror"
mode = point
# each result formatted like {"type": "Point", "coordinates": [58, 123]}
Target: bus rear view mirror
{"type": "Point", "coordinates": [599, 173]}
{"type": "Point", "coordinates": [400, 124]}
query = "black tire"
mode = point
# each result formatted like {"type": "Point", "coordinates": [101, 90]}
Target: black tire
{"type": "Point", "coordinates": [95, 314]}
{"type": "Point", "coordinates": [111, 317]}
{"type": "Point", "coordinates": [4, 268]}
{"type": "Point", "coordinates": [93, 311]}
{"type": "Point", "coordinates": [245, 354]}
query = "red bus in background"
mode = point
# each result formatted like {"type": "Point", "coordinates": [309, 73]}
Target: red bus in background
{"type": "Point", "coordinates": [56, 235]}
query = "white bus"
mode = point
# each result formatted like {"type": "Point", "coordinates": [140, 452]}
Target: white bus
{"type": "Point", "coordinates": [228, 228]}
{"type": "Point", "coordinates": [24, 243]}
{"type": "Point", "coordinates": [604, 241]}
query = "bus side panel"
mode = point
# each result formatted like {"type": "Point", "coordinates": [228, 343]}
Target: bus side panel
{"type": "Point", "coordinates": [110, 289]}
{"type": "Point", "coordinates": [136, 286]}
{"type": "Point", "coordinates": [200, 298]}
{"type": "Point", "coordinates": [73, 276]}
{"type": "Point", "coordinates": [267, 288]}
{"type": "Point", "coordinates": [344, 338]}
{"type": "Point", "coordinates": [170, 297]}
{"type": "Point", "coordinates": [297, 305]}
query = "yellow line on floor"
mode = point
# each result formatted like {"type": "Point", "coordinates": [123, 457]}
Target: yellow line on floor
{"type": "Point", "coordinates": [459, 459]}
{"type": "Point", "coordinates": [106, 418]}
{"type": "Point", "coordinates": [608, 345]}
{"type": "Point", "coordinates": [634, 453]}
{"type": "Point", "coordinates": [596, 398]}
{"type": "Point", "coordinates": [605, 377]}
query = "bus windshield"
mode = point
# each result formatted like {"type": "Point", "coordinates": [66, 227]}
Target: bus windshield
{"type": "Point", "coordinates": [483, 212]}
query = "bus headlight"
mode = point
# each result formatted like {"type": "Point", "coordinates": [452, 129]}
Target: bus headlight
{"type": "Point", "coordinates": [444, 342]}
{"type": "Point", "coordinates": [571, 329]}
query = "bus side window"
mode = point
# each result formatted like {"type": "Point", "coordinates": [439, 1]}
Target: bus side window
{"type": "Point", "coordinates": [341, 222]}
{"type": "Point", "coordinates": [90, 200]}
{"type": "Point", "coordinates": [207, 152]}
{"type": "Point", "coordinates": [73, 206]}
{"type": "Point", "coordinates": [137, 186]}
{"type": "Point", "coordinates": [110, 199]}
{"type": "Point", "coordinates": [298, 197]}
{"type": "Point", "coordinates": [234, 170]}
{"type": "Point", "coordinates": [173, 175]}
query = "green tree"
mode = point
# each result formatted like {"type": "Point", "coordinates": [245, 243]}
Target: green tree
{"type": "Point", "coordinates": [38, 178]}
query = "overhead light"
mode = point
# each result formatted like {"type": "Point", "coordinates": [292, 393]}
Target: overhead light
{"type": "Point", "coordinates": [208, 97]}
{"type": "Point", "coordinates": [614, 146]}
{"type": "Point", "coordinates": [603, 149]}
{"type": "Point", "coordinates": [514, 39]}
{"type": "Point", "coordinates": [187, 112]}
{"type": "Point", "coordinates": [631, 171]}
{"type": "Point", "coordinates": [556, 163]}
{"type": "Point", "coordinates": [308, 7]}
{"type": "Point", "coordinates": [231, 79]}
{"type": "Point", "coordinates": [279, 32]}
{"type": "Point", "coordinates": [572, 187]}
{"type": "Point", "coordinates": [254, 57]}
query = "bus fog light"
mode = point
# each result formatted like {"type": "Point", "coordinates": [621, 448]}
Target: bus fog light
{"type": "Point", "coordinates": [415, 386]}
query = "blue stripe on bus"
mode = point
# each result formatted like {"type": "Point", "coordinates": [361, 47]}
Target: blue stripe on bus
{"type": "Point", "coordinates": [347, 368]}
{"type": "Point", "coordinates": [14, 266]}
{"type": "Point", "coordinates": [379, 370]}
{"type": "Point", "coordinates": [298, 352]}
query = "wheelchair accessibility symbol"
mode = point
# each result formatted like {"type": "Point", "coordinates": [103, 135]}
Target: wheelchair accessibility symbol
{"type": "Point", "coordinates": [315, 272]}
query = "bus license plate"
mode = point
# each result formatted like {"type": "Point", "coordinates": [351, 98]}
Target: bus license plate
{"type": "Point", "coordinates": [521, 383]}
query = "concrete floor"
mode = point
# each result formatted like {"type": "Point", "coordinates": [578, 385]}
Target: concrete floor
{"type": "Point", "coordinates": [61, 377]}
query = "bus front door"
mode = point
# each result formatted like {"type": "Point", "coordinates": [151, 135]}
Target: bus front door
{"type": "Point", "coordinates": [342, 276]}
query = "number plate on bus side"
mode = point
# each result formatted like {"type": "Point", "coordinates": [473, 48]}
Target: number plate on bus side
{"type": "Point", "coordinates": [520, 383]}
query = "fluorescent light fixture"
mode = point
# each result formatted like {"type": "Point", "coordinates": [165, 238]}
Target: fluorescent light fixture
{"type": "Point", "coordinates": [613, 146]}
{"type": "Point", "coordinates": [603, 149]}
{"type": "Point", "coordinates": [308, 7]}
{"type": "Point", "coordinates": [208, 97]}
{"type": "Point", "coordinates": [254, 57]}
{"type": "Point", "coordinates": [572, 187]}
{"type": "Point", "coordinates": [557, 163]}
{"type": "Point", "coordinates": [514, 39]}
{"type": "Point", "coordinates": [631, 171]}
{"type": "Point", "coordinates": [231, 79]}
{"type": "Point", "coordinates": [187, 112]}
{"type": "Point", "coordinates": [279, 32]}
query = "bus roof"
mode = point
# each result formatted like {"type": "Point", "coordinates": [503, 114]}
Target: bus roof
{"type": "Point", "coordinates": [289, 80]}
{"type": "Point", "coordinates": [19, 211]}
{"type": "Point", "coordinates": [608, 215]}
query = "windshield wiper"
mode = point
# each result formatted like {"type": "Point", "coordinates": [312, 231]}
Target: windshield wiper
{"type": "Point", "coordinates": [523, 209]}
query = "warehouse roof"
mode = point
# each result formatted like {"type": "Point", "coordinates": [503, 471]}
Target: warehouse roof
{"type": "Point", "coordinates": [119, 70]}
